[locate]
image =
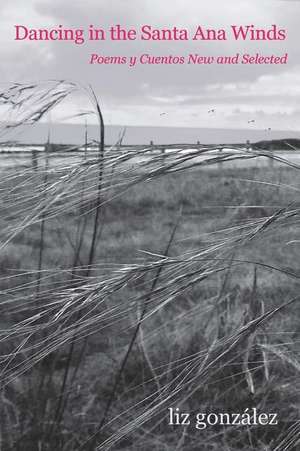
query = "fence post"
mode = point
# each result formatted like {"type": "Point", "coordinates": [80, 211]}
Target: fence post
{"type": "Point", "coordinates": [271, 161]}
{"type": "Point", "coordinates": [34, 159]}
{"type": "Point", "coordinates": [220, 163]}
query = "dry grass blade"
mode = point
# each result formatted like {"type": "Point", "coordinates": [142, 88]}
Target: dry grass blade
{"type": "Point", "coordinates": [81, 254]}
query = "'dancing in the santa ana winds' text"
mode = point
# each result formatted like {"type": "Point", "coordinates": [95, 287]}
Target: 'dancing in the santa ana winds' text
{"type": "Point", "coordinates": [149, 33]}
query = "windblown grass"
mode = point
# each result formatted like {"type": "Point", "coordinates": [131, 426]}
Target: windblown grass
{"type": "Point", "coordinates": [179, 283]}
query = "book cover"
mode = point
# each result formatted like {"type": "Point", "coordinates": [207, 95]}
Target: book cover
{"type": "Point", "coordinates": [149, 265]}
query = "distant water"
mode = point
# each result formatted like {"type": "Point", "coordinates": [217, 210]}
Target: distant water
{"type": "Point", "coordinates": [62, 133]}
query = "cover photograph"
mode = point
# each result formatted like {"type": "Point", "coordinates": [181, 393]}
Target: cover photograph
{"type": "Point", "coordinates": [149, 225]}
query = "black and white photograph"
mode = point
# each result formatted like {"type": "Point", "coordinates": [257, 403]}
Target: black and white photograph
{"type": "Point", "coordinates": [150, 218]}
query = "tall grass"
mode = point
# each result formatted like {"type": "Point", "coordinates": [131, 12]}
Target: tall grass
{"type": "Point", "coordinates": [201, 317]}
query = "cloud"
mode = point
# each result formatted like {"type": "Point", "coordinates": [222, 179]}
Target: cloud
{"type": "Point", "coordinates": [137, 95]}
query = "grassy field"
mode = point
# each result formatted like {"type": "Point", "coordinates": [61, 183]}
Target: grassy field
{"type": "Point", "coordinates": [212, 280]}
{"type": "Point", "coordinates": [133, 293]}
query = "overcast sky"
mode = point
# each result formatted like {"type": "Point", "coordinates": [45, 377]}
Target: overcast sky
{"type": "Point", "coordinates": [138, 96]}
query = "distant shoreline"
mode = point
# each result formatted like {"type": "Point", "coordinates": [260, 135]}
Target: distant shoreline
{"type": "Point", "coordinates": [142, 135]}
